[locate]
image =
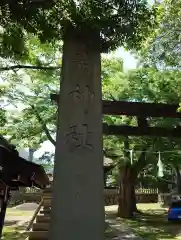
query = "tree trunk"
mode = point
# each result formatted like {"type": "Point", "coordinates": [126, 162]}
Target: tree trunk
{"type": "Point", "coordinates": [133, 202]}
{"type": "Point", "coordinates": [128, 176]}
{"type": "Point", "coordinates": [4, 201]}
{"type": "Point", "coordinates": [178, 179]}
{"type": "Point", "coordinates": [78, 200]}
{"type": "Point", "coordinates": [125, 208]}
{"type": "Point", "coordinates": [31, 154]}
{"type": "Point", "coordinates": [127, 204]}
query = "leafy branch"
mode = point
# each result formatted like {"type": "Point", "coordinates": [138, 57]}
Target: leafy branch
{"type": "Point", "coordinates": [43, 126]}
{"type": "Point", "coordinates": [8, 68]}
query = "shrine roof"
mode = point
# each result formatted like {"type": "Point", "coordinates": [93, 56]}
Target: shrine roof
{"type": "Point", "coordinates": [16, 172]}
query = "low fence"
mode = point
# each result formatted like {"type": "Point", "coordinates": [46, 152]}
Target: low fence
{"type": "Point", "coordinates": [24, 196]}
{"type": "Point", "coordinates": [142, 196]}
{"type": "Point", "coordinates": [110, 196]}
{"type": "Point", "coordinates": [146, 190]}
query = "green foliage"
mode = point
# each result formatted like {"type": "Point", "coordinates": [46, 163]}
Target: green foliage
{"type": "Point", "coordinates": [32, 118]}
{"type": "Point", "coordinates": [152, 85]}
{"type": "Point", "coordinates": [37, 115]}
{"type": "Point", "coordinates": [162, 49]}
{"type": "Point", "coordinates": [144, 85]}
{"type": "Point", "coordinates": [2, 117]}
{"type": "Point", "coordinates": [119, 22]}
{"type": "Point", "coordinates": [2, 110]}
{"type": "Point", "coordinates": [113, 77]}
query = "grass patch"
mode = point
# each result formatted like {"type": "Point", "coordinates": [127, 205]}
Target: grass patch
{"type": "Point", "coordinates": [14, 233]}
{"type": "Point", "coordinates": [110, 234]}
{"type": "Point", "coordinates": [152, 224]}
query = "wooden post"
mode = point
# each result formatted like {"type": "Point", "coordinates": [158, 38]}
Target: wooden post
{"type": "Point", "coordinates": [34, 215]}
{"type": "Point", "coordinates": [4, 201]}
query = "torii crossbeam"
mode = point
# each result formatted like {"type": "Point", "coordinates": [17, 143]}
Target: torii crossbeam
{"type": "Point", "coordinates": [142, 111]}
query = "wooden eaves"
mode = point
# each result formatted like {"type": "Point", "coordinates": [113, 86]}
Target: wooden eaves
{"type": "Point", "coordinates": [15, 171]}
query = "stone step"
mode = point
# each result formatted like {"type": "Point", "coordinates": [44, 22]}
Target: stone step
{"type": "Point", "coordinates": [47, 195]}
{"type": "Point", "coordinates": [41, 226]}
{"type": "Point", "coordinates": [42, 219]}
{"type": "Point", "coordinates": [38, 235]}
{"type": "Point", "coordinates": [47, 202]}
{"type": "Point", "coordinates": [48, 190]}
{"type": "Point", "coordinates": [45, 211]}
{"type": "Point", "coordinates": [45, 208]}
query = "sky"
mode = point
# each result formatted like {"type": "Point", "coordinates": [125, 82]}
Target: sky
{"type": "Point", "coordinates": [129, 60]}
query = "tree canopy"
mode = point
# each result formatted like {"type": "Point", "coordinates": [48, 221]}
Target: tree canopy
{"type": "Point", "coordinates": [162, 48]}
{"type": "Point", "coordinates": [125, 23]}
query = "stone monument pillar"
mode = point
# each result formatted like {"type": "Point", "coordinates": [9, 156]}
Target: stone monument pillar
{"type": "Point", "coordinates": [78, 203]}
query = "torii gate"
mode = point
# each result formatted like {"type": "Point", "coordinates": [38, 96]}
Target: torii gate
{"type": "Point", "coordinates": [142, 111]}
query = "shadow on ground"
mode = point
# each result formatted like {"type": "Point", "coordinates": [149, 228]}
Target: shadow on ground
{"type": "Point", "coordinates": [153, 225]}
{"type": "Point", "coordinates": [9, 223]}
